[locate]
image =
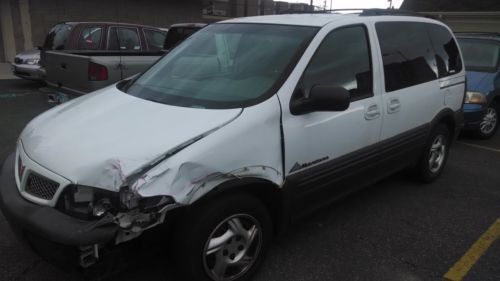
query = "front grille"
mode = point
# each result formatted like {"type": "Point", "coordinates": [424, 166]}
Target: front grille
{"type": "Point", "coordinates": [41, 187]}
{"type": "Point", "coordinates": [18, 60]}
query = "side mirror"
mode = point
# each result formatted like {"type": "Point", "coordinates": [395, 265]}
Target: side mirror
{"type": "Point", "coordinates": [322, 98]}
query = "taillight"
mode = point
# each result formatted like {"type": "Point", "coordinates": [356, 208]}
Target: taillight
{"type": "Point", "coordinates": [97, 72]}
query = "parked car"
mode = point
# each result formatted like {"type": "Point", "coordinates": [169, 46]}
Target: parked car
{"type": "Point", "coordinates": [180, 32]}
{"type": "Point", "coordinates": [481, 53]}
{"type": "Point", "coordinates": [26, 65]}
{"type": "Point", "coordinates": [80, 57]}
{"type": "Point", "coordinates": [247, 126]}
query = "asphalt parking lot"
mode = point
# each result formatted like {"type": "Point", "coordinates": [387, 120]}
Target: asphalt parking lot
{"type": "Point", "coordinates": [394, 230]}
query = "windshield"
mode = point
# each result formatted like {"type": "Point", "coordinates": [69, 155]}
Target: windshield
{"type": "Point", "coordinates": [56, 39]}
{"type": "Point", "coordinates": [480, 55]}
{"type": "Point", "coordinates": [225, 66]}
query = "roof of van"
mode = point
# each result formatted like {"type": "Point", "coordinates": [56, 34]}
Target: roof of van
{"type": "Point", "coordinates": [319, 19]}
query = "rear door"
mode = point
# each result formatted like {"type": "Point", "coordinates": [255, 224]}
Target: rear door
{"type": "Point", "coordinates": [411, 95]}
{"type": "Point", "coordinates": [322, 148]}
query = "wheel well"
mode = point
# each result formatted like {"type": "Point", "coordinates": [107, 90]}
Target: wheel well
{"type": "Point", "coordinates": [449, 121]}
{"type": "Point", "coordinates": [267, 192]}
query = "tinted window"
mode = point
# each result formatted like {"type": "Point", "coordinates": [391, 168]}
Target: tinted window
{"type": "Point", "coordinates": [447, 55]}
{"type": "Point", "coordinates": [154, 39]}
{"type": "Point", "coordinates": [57, 37]}
{"type": "Point", "coordinates": [176, 35]}
{"type": "Point", "coordinates": [124, 39]}
{"type": "Point", "coordinates": [480, 55]}
{"type": "Point", "coordinates": [90, 38]}
{"type": "Point", "coordinates": [342, 59]}
{"type": "Point", "coordinates": [406, 53]}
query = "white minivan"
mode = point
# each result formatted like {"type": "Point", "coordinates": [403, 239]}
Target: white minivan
{"type": "Point", "coordinates": [246, 126]}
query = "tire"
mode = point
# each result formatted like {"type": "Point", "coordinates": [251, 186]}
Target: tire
{"type": "Point", "coordinates": [489, 124]}
{"type": "Point", "coordinates": [435, 154]}
{"type": "Point", "coordinates": [240, 229]}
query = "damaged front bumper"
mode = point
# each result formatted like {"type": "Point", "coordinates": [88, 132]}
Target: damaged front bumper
{"type": "Point", "coordinates": [55, 226]}
{"type": "Point", "coordinates": [48, 222]}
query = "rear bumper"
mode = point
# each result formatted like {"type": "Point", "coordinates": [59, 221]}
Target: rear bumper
{"type": "Point", "coordinates": [30, 72]}
{"type": "Point", "coordinates": [47, 222]}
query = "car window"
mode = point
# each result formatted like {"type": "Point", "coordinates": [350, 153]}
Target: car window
{"type": "Point", "coordinates": [343, 59]}
{"type": "Point", "coordinates": [124, 39]}
{"type": "Point", "coordinates": [447, 55]}
{"type": "Point", "coordinates": [175, 35]}
{"type": "Point", "coordinates": [406, 53]}
{"type": "Point", "coordinates": [155, 39]}
{"type": "Point", "coordinates": [90, 38]}
{"type": "Point", "coordinates": [225, 66]}
{"type": "Point", "coordinates": [480, 55]}
{"type": "Point", "coordinates": [57, 37]}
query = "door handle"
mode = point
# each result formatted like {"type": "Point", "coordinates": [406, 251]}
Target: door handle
{"type": "Point", "coordinates": [372, 112]}
{"type": "Point", "coordinates": [394, 105]}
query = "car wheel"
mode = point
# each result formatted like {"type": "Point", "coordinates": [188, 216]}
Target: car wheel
{"type": "Point", "coordinates": [489, 123]}
{"type": "Point", "coordinates": [435, 155]}
{"type": "Point", "coordinates": [223, 240]}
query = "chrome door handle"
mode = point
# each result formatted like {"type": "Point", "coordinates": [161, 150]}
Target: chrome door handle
{"type": "Point", "coordinates": [394, 105]}
{"type": "Point", "coordinates": [372, 112]}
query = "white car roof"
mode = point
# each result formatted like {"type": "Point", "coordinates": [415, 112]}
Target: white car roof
{"type": "Point", "coordinates": [318, 19]}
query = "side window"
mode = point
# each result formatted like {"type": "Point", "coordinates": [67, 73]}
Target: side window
{"type": "Point", "coordinates": [90, 38]}
{"type": "Point", "coordinates": [406, 53]}
{"type": "Point", "coordinates": [343, 59]}
{"type": "Point", "coordinates": [447, 55]}
{"type": "Point", "coordinates": [154, 39]}
{"type": "Point", "coordinates": [123, 39]}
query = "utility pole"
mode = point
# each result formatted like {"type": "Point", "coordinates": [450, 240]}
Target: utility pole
{"type": "Point", "coordinates": [390, 4]}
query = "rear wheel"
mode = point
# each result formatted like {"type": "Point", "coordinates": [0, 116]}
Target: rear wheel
{"type": "Point", "coordinates": [223, 240]}
{"type": "Point", "coordinates": [489, 123]}
{"type": "Point", "coordinates": [435, 155]}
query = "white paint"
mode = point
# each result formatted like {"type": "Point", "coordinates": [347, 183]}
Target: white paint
{"type": "Point", "coordinates": [345, 4]}
{"type": "Point", "coordinates": [101, 138]}
{"type": "Point", "coordinates": [106, 139]}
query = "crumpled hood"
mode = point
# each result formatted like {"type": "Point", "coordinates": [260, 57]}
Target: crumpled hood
{"type": "Point", "coordinates": [101, 138]}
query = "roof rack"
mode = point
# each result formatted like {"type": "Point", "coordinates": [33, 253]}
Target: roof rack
{"type": "Point", "coordinates": [364, 12]}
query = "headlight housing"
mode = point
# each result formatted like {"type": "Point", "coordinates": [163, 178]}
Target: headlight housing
{"type": "Point", "coordinates": [32, 61]}
{"type": "Point", "coordinates": [89, 203]}
{"type": "Point", "coordinates": [475, 98]}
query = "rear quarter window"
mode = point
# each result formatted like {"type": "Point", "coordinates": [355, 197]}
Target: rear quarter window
{"type": "Point", "coordinates": [407, 54]}
{"type": "Point", "coordinates": [447, 55]}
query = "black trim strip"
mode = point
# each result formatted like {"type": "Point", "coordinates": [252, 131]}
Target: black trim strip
{"type": "Point", "coordinates": [319, 185]}
{"type": "Point", "coordinates": [451, 85]}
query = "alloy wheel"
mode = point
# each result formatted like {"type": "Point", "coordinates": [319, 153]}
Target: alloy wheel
{"type": "Point", "coordinates": [232, 248]}
{"type": "Point", "coordinates": [437, 154]}
{"type": "Point", "coordinates": [489, 122]}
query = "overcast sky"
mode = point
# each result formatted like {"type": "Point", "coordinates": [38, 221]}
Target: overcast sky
{"type": "Point", "coordinates": [342, 4]}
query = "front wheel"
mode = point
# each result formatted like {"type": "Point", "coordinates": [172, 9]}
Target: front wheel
{"type": "Point", "coordinates": [435, 155]}
{"type": "Point", "coordinates": [223, 240]}
{"type": "Point", "coordinates": [489, 123]}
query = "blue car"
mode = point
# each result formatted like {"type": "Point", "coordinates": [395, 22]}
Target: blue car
{"type": "Point", "coordinates": [481, 53]}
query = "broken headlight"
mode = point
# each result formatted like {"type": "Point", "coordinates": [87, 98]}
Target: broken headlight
{"type": "Point", "coordinates": [87, 203]}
